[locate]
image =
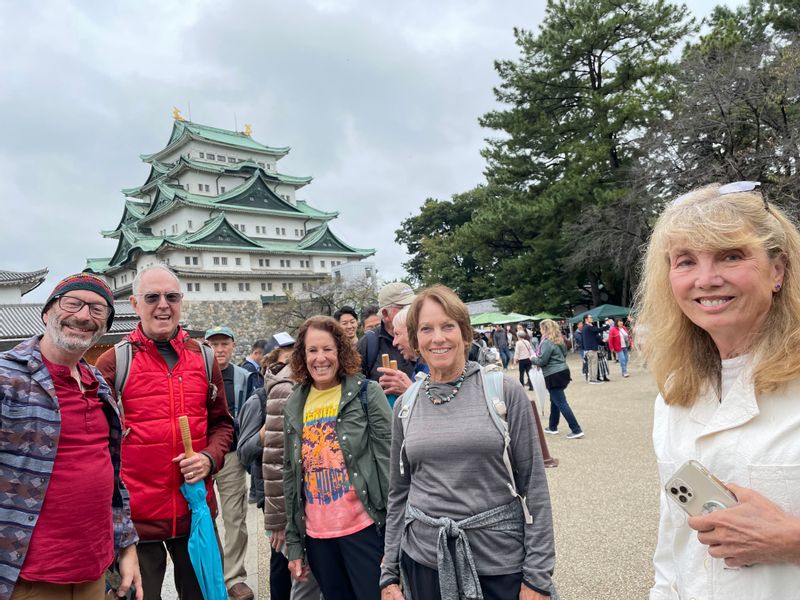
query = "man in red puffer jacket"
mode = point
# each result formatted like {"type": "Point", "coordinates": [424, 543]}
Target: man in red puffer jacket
{"type": "Point", "coordinates": [167, 379]}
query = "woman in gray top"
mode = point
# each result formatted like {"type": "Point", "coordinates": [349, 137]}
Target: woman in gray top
{"type": "Point", "coordinates": [553, 361]}
{"type": "Point", "coordinates": [457, 525]}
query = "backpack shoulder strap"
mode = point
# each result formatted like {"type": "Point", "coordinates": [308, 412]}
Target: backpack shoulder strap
{"type": "Point", "coordinates": [407, 402]}
{"type": "Point", "coordinates": [372, 351]}
{"type": "Point", "coordinates": [123, 354]}
{"type": "Point", "coordinates": [492, 380]}
{"type": "Point", "coordinates": [208, 360]}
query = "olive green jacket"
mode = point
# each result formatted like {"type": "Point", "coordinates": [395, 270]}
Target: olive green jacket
{"type": "Point", "coordinates": [365, 450]}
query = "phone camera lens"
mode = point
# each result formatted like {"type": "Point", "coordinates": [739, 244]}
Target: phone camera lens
{"type": "Point", "coordinates": [683, 489]}
{"type": "Point", "coordinates": [674, 491]}
{"type": "Point", "coordinates": [682, 498]}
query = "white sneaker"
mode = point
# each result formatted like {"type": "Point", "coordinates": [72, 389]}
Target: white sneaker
{"type": "Point", "coordinates": [574, 436]}
{"type": "Point", "coordinates": [551, 431]}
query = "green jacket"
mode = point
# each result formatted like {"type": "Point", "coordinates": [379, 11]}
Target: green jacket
{"type": "Point", "coordinates": [553, 358]}
{"type": "Point", "coordinates": [366, 455]}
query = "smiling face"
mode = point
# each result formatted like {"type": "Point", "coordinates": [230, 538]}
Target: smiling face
{"type": "Point", "coordinates": [74, 332]}
{"type": "Point", "coordinates": [402, 343]}
{"type": "Point", "coordinates": [349, 324]}
{"type": "Point", "coordinates": [440, 342]}
{"type": "Point", "coordinates": [727, 293]}
{"type": "Point", "coordinates": [322, 358]}
{"type": "Point", "coordinates": [161, 319]}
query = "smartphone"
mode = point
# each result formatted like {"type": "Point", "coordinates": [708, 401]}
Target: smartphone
{"type": "Point", "coordinates": [697, 491]}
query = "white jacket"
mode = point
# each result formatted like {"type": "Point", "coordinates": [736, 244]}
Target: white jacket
{"type": "Point", "coordinates": [742, 441]}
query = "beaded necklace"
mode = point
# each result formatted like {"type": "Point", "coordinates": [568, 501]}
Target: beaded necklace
{"type": "Point", "coordinates": [437, 401]}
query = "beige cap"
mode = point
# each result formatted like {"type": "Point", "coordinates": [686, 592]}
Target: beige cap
{"type": "Point", "coordinates": [395, 293]}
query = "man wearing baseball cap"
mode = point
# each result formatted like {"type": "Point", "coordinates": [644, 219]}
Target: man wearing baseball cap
{"type": "Point", "coordinates": [232, 477]}
{"type": "Point", "coordinates": [67, 514]}
{"type": "Point", "coordinates": [392, 298]}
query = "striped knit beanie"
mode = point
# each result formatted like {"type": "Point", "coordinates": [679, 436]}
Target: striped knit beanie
{"type": "Point", "coordinates": [83, 281]}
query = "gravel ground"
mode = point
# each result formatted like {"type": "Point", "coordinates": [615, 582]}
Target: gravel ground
{"type": "Point", "coordinates": [604, 493]}
{"type": "Point", "coordinates": [605, 489]}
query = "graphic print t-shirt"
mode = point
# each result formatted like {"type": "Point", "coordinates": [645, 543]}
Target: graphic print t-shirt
{"type": "Point", "coordinates": [332, 506]}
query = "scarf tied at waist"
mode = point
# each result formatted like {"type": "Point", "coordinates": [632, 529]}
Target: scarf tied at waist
{"type": "Point", "coordinates": [458, 577]}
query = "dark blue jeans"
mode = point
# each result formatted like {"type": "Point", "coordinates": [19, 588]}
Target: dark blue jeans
{"type": "Point", "coordinates": [505, 356]}
{"type": "Point", "coordinates": [558, 407]}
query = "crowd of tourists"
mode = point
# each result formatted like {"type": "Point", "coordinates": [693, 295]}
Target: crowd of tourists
{"type": "Point", "coordinates": [405, 463]}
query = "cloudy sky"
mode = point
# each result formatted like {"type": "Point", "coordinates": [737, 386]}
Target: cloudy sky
{"type": "Point", "coordinates": [378, 100]}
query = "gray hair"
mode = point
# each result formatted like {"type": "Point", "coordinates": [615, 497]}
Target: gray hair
{"type": "Point", "coordinates": [137, 281]}
{"type": "Point", "coordinates": [401, 317]}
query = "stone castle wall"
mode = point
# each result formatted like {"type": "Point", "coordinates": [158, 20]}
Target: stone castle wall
{"type": "Point", "coordinates": [249, 320]}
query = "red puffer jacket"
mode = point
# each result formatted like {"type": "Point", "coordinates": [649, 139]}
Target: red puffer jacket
{"type": "Point", "coordinates": [153, 400]}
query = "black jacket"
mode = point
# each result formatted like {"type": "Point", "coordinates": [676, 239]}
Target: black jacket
{"type": "Point", "coordinates": [375, 343]}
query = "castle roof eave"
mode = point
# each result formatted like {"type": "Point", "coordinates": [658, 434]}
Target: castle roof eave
{"type": "Point", "coordinates": [184, 131]}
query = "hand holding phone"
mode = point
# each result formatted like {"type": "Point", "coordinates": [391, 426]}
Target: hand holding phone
{"type": "Point", "coordinates": [697, 491]}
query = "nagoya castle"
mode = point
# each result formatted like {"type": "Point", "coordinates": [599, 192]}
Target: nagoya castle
{"type": "Point", "coordinates": [217, 210]}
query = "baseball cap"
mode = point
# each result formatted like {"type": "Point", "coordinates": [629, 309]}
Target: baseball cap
{"type": "Point", "coordinates": [396, 293]}
{"type": "Point", "coordinates": [220, 330]}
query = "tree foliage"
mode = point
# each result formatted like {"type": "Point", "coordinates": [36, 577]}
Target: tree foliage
{"type": "Point", "coordinates": [599, 127]}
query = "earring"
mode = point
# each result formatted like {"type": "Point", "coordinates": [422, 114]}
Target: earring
{"type": "Point", "coordinates": [777, 287]}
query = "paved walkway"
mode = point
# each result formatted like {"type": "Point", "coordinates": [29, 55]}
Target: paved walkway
{"type": "Point", "coordinates": [604, 493]}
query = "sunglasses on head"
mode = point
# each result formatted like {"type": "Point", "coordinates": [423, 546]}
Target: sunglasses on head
{"type": "Point", "coordinates": [731, 188]}
{"type": "Point", "coordinates": [154, 297]}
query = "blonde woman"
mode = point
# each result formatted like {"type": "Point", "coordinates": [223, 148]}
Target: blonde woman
{"type": "Point", "coordinates": [552, 359]}
{"type": "Point", "coordinates": [721, 285]}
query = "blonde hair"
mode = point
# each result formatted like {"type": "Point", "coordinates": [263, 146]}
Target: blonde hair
{"type": "Point", "coordinates": [682, 356]}
{"type": "Point", "coordinates": [551, 329]}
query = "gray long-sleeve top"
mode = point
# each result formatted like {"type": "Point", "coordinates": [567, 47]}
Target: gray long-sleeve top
{"type": "Point", "coordinates": [453, 467]}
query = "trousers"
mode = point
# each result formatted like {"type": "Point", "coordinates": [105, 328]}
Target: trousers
{"type": "Point", "coordinates": [232, 486]}
{"type": "Point", "coordinates": [39, 590]}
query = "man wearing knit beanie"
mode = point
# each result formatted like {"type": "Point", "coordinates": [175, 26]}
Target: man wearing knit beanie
{"type": "Point", "coordinates": [68, 514]}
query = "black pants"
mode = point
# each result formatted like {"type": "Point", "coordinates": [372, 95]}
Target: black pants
{"type": "Point", "coordinates": [422, 583]}
{"type": "Point", "coordinates": [524, 369]}
{"type": "Point", "coordinates": [153, 564]}
{"type": "Point", "coordinates": [280, 580]}
{"type": "Point", "coordinates": [349, 567]}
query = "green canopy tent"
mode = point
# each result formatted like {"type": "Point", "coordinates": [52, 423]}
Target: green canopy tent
{"type": "Point", "coordinates": [546, 315]}
{"type": "Point", "coordinates": [604, 311]}
{"type": "Point", "coordinates": [498, 318]}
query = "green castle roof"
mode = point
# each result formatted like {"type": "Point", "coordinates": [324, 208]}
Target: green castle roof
{"type": "Point", "coordinates": [161, 171]}
{"type": "Point", "coordinates": [184, 130]}
{"type": "Point", "coordinates": [218, 234]}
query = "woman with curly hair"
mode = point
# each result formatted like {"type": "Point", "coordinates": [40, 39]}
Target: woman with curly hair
{"type": "Point", "coordinates": [336, 465]}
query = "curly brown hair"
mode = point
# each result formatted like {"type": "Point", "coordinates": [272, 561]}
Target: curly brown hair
{"type": "Point", "coordinates": [347, 355]}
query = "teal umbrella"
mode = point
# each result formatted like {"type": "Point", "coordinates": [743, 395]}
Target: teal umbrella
{"type": "Point", "coordinates": [546, 315]}
{"type": "Point", "coordinates": [498, 318]}
{"type": "Point", "coordinates": [203, 547]}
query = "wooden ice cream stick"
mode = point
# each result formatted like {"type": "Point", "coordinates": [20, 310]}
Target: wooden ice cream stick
{"type": "Point", "coordinates": [385, 360]}
{"type": "Point", "coordinates": [183, 422]}
{"type": "Point", "coordinates": [393, 364]}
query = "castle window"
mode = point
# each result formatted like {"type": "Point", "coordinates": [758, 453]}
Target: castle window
{"type": "Point", "coordinates": [188, 261]}
{"type": "Point", "coordinates": [201, 154]}
{"type": "Point", "coordinates": [222, 189]}
{"type": "Point", "coordinates": [216, 260]}
{"type": "Point", "coordinates": [224, 260]}
{"type": "Point", "coordinates": [194, 262]}
{"type": "Point", "coordinates": [283, 231]}
{"type": "Point", "coordinates": [216, 287]}
{"type": "Point", "coordinates": [231, 160]}
{"type": "Point", "coordinates": [322, 263]}
{"type": "Point", "coordinates": [238, 262]}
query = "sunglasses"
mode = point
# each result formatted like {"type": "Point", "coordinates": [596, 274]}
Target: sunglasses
{"type": "Point", "coordinates": [153, 297]}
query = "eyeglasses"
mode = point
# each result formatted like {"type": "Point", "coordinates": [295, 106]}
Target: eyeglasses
{"type": "Point", "coordinates": [74, 305]}
{"type": "Point", "coordinates": [154, 297]}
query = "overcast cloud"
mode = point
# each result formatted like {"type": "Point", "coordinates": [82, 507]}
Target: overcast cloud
{"type": "Point", "coordinates": [379, 102]}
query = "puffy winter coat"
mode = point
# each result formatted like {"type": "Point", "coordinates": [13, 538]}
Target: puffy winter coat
{"type": "Point", "coordinates": [153, 399]}
{"type": "Point", "coordinates": [279, 388]}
